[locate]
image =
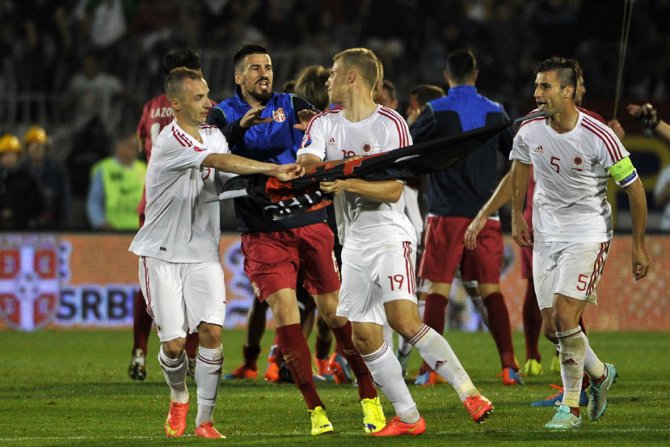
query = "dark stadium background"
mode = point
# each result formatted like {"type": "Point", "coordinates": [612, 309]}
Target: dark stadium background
{"type": "Point", "coordinates": [43, 44]}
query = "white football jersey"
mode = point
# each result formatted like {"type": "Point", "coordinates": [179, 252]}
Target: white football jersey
{"type": "Point", "coordinates": [570, 202]}
{"type": "Point", "coordinates": [182, 213]}
{"type": "Point", "coordinates": [361, 221]}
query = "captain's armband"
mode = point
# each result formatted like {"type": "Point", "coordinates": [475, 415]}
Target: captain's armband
{"type": "Point", "coordinates": [623, 172]}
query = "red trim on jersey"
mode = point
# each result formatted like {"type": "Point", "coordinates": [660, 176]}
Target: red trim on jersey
{"type": "Point", "coordinates": [320, 114]}
{"type": "Point", "coordinates": [530, 121]}
{"type": "Point", "coordinates": [147, 287]}
{"type": "Point", "coordinates": [309, 125]}
{"type": "Point", "coordinates": [188, 141]}
{"type": "Point", "coordinates": [206, 126]}
{"type": "Point", "coordinates": [592, 114]}
{"type": "Point", "coordinates": [180, 137]}
{"type": "Point", "coordinates": [603, 128]}
{"type": "Point", "coordinates": [401, 121]}
{"type": "Point", "coordinates": [610, 144]}
{"type": "Point", "coordinates": [398, 121]}
{"type": "Point", "coordinates": [523, 123]}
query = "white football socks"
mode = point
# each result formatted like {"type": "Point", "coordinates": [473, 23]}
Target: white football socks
{"type": "Point", "coordinates": [388, 335]}
{"type": "Point", "coordinates": [437, 353]}
{"type": "Point", "coordinates": [593, 366]}
{"type": "Point", "coordinates": [174, 371]}
{"type": "Point", "coordinates": [207, 376]}
{"type": "Point", "coordinates": [572, 352]}
{"type": "Point", "coordinates": [387, 374]}
{"type": "Point", "coordinates": [404, 346]}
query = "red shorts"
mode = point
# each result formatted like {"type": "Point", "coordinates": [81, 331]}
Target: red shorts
{"type": "Point", "coordinates": [278, 259]}
{"type": "Point", "coordinates": [445, 251]}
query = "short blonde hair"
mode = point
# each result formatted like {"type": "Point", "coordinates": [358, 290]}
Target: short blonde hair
{"type": "Point", "coordinates": [364, 60]}
{"type": "Point", "coordinates": [174, 81]}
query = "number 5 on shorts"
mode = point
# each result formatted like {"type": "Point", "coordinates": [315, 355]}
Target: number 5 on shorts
{"type": "Point", "coordinates": [582, 282]}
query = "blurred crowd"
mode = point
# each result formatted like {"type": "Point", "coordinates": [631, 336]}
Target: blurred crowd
{"type": "Point", "coordinates": [82, 69]}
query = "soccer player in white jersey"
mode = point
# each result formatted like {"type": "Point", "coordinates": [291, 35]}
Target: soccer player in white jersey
{"type": "Point", "coordinates": [378, 242]}
{"type": "Point", "coordinates": [572, 156]}
{"type": "Point", "coordinates": [179, 267]}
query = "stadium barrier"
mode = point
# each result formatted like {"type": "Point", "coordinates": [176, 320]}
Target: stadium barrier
{"type": "Point", "coordinates": [75, 280]}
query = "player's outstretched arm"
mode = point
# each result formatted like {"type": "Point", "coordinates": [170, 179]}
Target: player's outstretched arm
{"type": "Point", "coordinates": [520, 232]}
{"type": "Point", "coordinates": [638, 209]}
{"type": "Point", "coordinates": [240, 165]}
{"type": "Point", "coordinates": [500, 197]}
{"type": "Point", "coordinates": [309, 161]}
{"type": "Point", "coordinates": [380, 190]}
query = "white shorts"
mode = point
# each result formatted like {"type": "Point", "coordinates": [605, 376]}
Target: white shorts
{"type": "Point", "coordinates": [374, 276]}
{"type": "Point", "coordinates": [181, 296]}
{"type": "Point", "coordinates": [571, 269]}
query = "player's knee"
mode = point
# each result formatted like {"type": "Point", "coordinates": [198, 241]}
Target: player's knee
{"type": "Point", "coordinates": [334, 321]}
{"type": "Point", "coordinates": [327, 305]}
{"type": "Point", "coordinates": [550, 330]}
{"type": "Point", "coordinates": [329, 316]}
{"type": "Point", "coordinates": [209, 335]}
{"type": "Point", "coordinates": [562, 322]}
{"type": "Point", "coordinates": [367, 337]}
{"type": "Point", "coordinates": [366, 342]}
{"type": "Point", "coordinates": [174, 348]}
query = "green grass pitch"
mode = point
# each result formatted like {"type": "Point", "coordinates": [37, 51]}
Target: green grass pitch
{"type": "Point", "coordinates": [70, 388]}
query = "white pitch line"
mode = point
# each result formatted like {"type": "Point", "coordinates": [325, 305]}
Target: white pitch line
{"type": "Point", "coordinates": [341, 433]}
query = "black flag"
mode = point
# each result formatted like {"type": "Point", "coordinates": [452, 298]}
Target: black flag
{"type": "Point", "coordinates": [283, 199]}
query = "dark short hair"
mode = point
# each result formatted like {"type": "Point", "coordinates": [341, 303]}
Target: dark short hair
{"type": "Point", "coordinates": [289, 86]}
{"type": "Point", "coordinates": [181, 57]}
{"type": "Point", "coordinates": [461, 64]}
{"type": "Point", "coordinates": [426, 92]}
{"type": "Point", "coordinates": [174, 81]}
{"type": "Point", "coordinates": [311, 85]}
{"type": "Point", "coordinates": [247, 49]}
{"type": "Point", "coordinates": [568, 70]}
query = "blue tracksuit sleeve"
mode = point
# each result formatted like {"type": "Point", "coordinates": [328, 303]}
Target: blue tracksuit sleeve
{"type": "Point", "coordinates": [424, 126]}
{"type": "Point", "coordinates": [299, 104]}
{"type": "Point", "coordinates": [233, 132]}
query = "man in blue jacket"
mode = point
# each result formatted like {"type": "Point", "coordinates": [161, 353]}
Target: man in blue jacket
{"type": "Point", "coordinates": [454, 198]}
{"type": "Point", "coordinates": [268, 126]}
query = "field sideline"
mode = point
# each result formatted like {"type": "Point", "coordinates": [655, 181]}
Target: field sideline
{"type": "Point", "coordinates": [70, 388]}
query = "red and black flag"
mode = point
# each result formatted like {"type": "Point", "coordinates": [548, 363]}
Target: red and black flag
{"type": "Point", "coordinates": [283, 199]}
